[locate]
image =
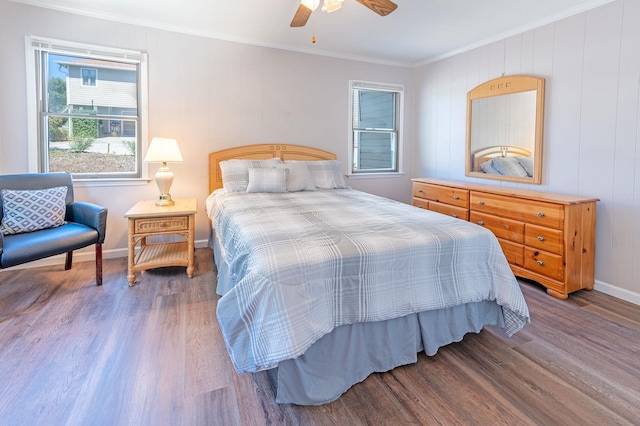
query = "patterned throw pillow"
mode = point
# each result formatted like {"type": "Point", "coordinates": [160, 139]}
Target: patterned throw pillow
{"type": "Point", "coordinates": [235, 173]}
{"type": "Point", "coordinates": [487, 167]}
{"type": "Point", "coordinates": [509, 166]}
{"type": "Point", "coordinates": [526, 163]}
{"type": "Point", "coordinates": [268, 180]}
{"type": "Point", "coordinates": [326, 174]}
{"type": "Point", "coordinates": [300, 178]}
{"type": "Point", "coordinates": [32, 210]}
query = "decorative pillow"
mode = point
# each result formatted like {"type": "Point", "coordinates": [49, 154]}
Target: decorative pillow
{"type": "Point", "coordinates": [299, 176]}
{"type": "Point", "coordinates": [487, 167]}
{"type": "Point", "coordinates": [32, 210]}
{"type": "Point", "coordinates": [526, 163]}
{"type": "Point", "coordinates": [268, 180]}
{"type": "Point", "coordinates": [235, 173]}
{"type": "Point", "coordinates": [326, 174]}
{"type": "Point", "coordinates": [509, 166]}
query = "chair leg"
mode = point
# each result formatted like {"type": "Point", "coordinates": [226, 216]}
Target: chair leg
{"type": "Point", "coordinates": [67, 263]}
{"type": "Point", "coordinates": [98, 264]}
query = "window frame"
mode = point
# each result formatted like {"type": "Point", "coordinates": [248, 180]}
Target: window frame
{"type": "Point", "coordinates": [95, 73]}
{"type": "Point", "coordinates": [38, 144]}
{"type": "Point", "coordinates": [398, 90]}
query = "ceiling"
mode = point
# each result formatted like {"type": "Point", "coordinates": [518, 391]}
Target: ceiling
{"type": "Point", "coordinates": [418, 31]}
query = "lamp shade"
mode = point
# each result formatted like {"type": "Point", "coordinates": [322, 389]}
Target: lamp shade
{"type": "Point", "coordinates": [163, 150]}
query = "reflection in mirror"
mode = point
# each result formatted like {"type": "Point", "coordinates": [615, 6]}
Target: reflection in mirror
{"type": "Point", "coordinates": [504, 129]}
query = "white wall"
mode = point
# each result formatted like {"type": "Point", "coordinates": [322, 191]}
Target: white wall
{"type": "Point", "coordinates": [209, 94]}
{"type": "Point", "coordinates": [591, 64]}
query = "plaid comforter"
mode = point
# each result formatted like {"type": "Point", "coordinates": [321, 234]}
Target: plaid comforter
{"type": "Point", "coordinates": [294, 266]}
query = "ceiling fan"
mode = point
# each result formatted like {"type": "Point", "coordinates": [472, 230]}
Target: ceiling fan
{"type": "Point", "coordinates": [381, 7]}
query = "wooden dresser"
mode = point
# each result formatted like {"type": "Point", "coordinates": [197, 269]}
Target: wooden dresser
{"type": "Point", "coordinates": [546, 237]}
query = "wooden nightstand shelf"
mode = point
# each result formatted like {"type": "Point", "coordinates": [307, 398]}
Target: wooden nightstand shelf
{"type": "Point", "coordinates": [146, 220]}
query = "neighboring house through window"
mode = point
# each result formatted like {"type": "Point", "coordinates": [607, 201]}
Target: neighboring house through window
{"type": "Point", "coordinates": [375, 117]}
{"type": "Point", "coordinates": [87, 116]}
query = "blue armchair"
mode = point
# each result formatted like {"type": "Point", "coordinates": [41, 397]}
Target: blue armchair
{"type": "Point", "coordinates": [84, 224]}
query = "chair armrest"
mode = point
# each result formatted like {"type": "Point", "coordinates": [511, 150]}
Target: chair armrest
{"type": "Point", "coordinates": [88, 214]}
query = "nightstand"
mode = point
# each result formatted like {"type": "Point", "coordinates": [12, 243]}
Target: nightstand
{"type": "Point", "coordinates": [146, 220]}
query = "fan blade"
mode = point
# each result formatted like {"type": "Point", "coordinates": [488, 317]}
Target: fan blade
{"type": "Point", "coordinates": [301, 17]}
{"type": "Point", "coordinates": [381, 7]}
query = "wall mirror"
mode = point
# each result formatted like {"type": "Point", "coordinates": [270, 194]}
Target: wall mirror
{"type": "Point", "coordinates": [504, 129]}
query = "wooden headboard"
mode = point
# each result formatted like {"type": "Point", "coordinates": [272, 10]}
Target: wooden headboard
{"type": "Point", "coordinates": [486, 154]}
{"type": "Point", "coordinates": [261, 152]}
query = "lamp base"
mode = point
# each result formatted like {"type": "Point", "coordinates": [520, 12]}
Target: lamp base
{"type": "Point", "coordinates": [164, 178]}
{"type": "Point", "coordinates": [165, 200]}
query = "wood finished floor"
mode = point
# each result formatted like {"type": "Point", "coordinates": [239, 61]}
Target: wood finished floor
{"type": "Point", "coordinates": [75, 354]}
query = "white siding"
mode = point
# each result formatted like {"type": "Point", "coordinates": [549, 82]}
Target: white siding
{"type": "Point", "coordinates": [108, 91]}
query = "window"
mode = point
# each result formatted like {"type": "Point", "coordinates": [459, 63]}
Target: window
{"type": "Point", "coordinates": [89, 128]}
{"type": "Point", "coordinates": [375, 123]}
{"type": "Point", "coordinates": [89, 76]}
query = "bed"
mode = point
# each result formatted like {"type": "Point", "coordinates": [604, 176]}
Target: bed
{"type": "Point", "coordinates": [323, 286]}
{"type": "Point", "coordinates": [503, 160]}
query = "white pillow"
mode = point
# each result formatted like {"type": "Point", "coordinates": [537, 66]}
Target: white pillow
{"type": "Point", "coordinates": [32, 210]}
{"type": "Point", "coordinates": [235, 173]}
{"type": "Point", "coordinates": [326, 174]}
{"type": "Point", "coordinates": [268, 180]}
{"type": "Point", "coordinates": [509, 166]}
{"type": "Point", "coordinates": [299, 176]}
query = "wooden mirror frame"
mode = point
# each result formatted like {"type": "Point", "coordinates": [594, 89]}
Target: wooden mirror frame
{"type": "Point", "coordinates": [499, 87]}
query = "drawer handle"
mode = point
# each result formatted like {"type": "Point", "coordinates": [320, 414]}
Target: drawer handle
{"type": "Point", "coordinates": [481, 223]}
{"type": "Point", "coordinates": [540, 214]}
{"type": "Point", "coordinates": [481, 203]}
{"type": "Point", "coordinates": [419, 190]}
{"type": "Point", "coordinates": [539, 262]}
{"type": "Point", "coordinates": [540, 239]}
{"type": "Point", "coordinates": [455, 215]}
{"type": "Point", "coordinates": [455, 197]}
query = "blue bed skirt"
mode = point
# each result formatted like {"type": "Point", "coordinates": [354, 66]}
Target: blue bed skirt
{"type": "Point", "coordinates": [351, 353]}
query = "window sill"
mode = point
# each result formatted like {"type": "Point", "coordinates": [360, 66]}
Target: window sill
{"type": "Point", "coordinates": [375, 175]}
{"type": "Point", "coordinates": [81, 183]}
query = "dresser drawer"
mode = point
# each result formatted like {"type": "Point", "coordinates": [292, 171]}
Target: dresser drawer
{"type": "Point", "coordinates": [546, 239]}
{"type": "Point", "coordinates": [507, 229]}
{"type": "Point", "coordinates": [419, 202]}
{"type": "Point", "coordinates": [161, 224]}
{"type": "Point", "coordinates": [442, 194]}
{"type": "Point", "coordinates": [456, 212]}
{"type": "Point", "coordinates": [537, 212]}
{"type": "Point", "coordinates": [544, 263]}
{"type": "Point", "coordinates": [513, 252]}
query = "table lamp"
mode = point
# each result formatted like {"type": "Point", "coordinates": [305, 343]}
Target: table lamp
{"type": "Point", "coordinates": [163, 150]}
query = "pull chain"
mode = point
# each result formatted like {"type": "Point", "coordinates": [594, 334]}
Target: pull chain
{"type": "Point", "coordinates": [313, 35]}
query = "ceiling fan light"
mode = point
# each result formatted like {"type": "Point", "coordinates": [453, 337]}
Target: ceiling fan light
{"type": "Point", "coordinates": [310, 4]}
{"type": "Point", "coordinates": [331, 5]}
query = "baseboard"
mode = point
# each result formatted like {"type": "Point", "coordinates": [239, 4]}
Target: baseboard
{"type": "Point", "coordinates": [86, 256]}
{"type": "Point", "coordinates": [618, 292]}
